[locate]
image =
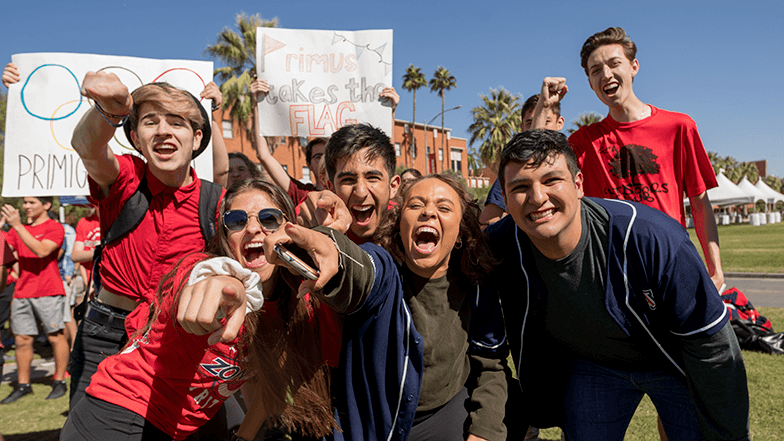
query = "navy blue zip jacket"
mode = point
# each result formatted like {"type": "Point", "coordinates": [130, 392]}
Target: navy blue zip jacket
{"type": "Point", "coordinates": [657, 288]}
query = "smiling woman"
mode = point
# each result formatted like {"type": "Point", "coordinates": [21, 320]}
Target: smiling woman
{"type": "Point", "coordinates": [434, 236]}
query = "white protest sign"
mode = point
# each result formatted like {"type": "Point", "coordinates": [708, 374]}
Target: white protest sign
{"type": "Point", "coordinates": [45, 106]}
{"type": "Point", "coordinates": [322, 80]}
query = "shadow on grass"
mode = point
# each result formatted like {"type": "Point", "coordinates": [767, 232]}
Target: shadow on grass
{"type": "Point", "coordinates": [47, 435]}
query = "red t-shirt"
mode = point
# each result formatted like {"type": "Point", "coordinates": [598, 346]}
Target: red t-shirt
{"type": "Point", "coordinates": [175, 380]}
{"type": "Point", "coordinates": [654, 161]}
{"type": "Point", "coordinates": [297, 191]}
{"type": "Point", "coordinates": [133, 265]}
{"type": "Point", "coordinates": [88, 231]}
{"type": "Point", "coordinates": [38, 276]}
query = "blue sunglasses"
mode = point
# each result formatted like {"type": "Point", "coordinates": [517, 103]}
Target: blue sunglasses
{"type": "Point", "coordinates": [270, 219]}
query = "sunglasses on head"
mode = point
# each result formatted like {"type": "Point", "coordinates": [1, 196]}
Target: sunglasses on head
{"type": "Point", "coordinates": [270, 219]}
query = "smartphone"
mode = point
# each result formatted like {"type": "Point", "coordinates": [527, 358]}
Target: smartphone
{"type": "Point", "coordinates": [301, 261]}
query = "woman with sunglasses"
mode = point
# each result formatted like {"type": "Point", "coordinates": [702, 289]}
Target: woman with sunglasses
{"type": "Point", "coordinates": [170, 380]}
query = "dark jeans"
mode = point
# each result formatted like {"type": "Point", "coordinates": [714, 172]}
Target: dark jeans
{"type": "Point", "coordinates": [446, 423]}
{"type": "Point", "coordinates": [601, 401]}
{"type": "Point", "coordinates": [94, 342]}
{"type": "Point", "coordinates": [97, 420]}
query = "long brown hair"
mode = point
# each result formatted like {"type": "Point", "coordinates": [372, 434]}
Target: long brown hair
{"type": "Point", "coordinates": [474, 258]}
{"type": "Point", "coordinates": [285, 359]}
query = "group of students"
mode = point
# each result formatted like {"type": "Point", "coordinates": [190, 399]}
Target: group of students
{"type": "Point", "coordinates": [405, 330]}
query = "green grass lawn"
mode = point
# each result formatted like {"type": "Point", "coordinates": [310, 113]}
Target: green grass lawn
{"type": "Point", "coordinates": [745, 248]}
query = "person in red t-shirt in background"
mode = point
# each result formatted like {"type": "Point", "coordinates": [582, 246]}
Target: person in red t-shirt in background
{"type": "Point", "coordinates": [88, 236]}
{"type": "Point", "coordinates": [638, 152]}
{"type": "Point", "coordinates": [39, 293]}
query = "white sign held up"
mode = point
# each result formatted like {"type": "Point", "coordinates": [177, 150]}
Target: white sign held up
{"type": "Point", "coordinates": [45, 106]}
{"type": "Point", "coordinates": [322, 80]}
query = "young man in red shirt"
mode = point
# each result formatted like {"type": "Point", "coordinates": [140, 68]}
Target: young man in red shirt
{"type": "Point", "coordinates": [638, 152]}
{"type": "Point", "coordinates": [167, 127]}
{"type": "Point", "coordinates": [88, 236]}
{"type": "Point", "coordinates": [39, 293]}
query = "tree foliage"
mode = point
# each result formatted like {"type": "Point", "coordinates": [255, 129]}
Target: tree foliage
{"type": "Point", "coordinates": [585, 119]}
{"type": "Point", "coordinates": [495, 122]}
{"type": "Point", "coordinates": [413, 79]}
{"type": "Point", "coordinates": [237, 51]}
{"type": "Point", "coordinates": [734, 170]}
{"type": "Point", "coordinates": [442, 81]}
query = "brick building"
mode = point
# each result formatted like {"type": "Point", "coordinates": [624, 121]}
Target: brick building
{"type": "Point", "coordinates": [427, 156]}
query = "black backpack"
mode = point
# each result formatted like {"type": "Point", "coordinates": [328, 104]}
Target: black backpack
{"type": "Point", "coordinates": [132, 215]}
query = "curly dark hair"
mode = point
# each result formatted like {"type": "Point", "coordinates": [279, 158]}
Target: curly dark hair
{"type": "Point", "coordinates": [474, 258]}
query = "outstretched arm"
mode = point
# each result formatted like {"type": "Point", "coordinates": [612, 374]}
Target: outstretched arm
{"type": "Point", "coordinates": [92, 135]}
{"type": "Point", "coordinates": [708, 235]}
{"type": "Point", "coordinates": [279, 176]}
{"type": "Point", "coordinates": [553, 91]}
{"type": "Point", "coordinates": [220, 158]}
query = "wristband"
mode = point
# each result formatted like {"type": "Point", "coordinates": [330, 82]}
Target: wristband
{"type": "Point", "coordinates": [106, 115]}
{"type": "Point", "coordinates": [215, 106]}
{"type": "Point", "coordinates": [226, 266]}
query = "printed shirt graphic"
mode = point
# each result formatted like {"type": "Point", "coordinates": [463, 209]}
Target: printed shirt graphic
{"type": "Point", "coordinates": [176, 380]}
{"type": "Point", "coordinates": [655, 161]}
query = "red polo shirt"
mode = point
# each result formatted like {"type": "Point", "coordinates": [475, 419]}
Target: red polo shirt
{"type": "Point", "coordinates": [38, 276]}
{"type": "Point", "coordinates": [134, 265]}
{"type": "Point", "coordinates": [88, 231]}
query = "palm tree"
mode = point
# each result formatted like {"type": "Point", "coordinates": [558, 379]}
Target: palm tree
{"type": "Point", "coordinates": [442, 80]}
{"type": "Point", "coordinates": [749, 170]}
{"type": "Point", "coordinates": [585, 119]}
{"type": "Point", "coordinates": [494, 123]}
{"type": "Point", "coordinates": [238, 53]}
{"type": "Point", "coordinates": [413, 80]}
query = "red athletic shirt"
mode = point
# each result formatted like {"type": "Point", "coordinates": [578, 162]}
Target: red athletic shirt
{"type": "Point", "coordinates": [38, 276]}
{"type": "Point", "coordinates": [133, 265]}
{"type": "Point", "coordinates": [655, 161]}
{"type": "Point", "coordinates": [88, 231]}
{"type": "Point", "coordinates": [175, 380]}
{"type": "Point", "coordinates": [297, 190]}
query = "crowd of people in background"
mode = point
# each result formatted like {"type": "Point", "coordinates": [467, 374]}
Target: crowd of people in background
{"type": "Point", "coordinates": [367, 305]}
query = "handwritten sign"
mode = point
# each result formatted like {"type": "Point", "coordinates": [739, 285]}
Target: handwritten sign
{"type": "Point", "coordinates": [45, 106]}
{"type": "Point", "coordinates": [322, 80]}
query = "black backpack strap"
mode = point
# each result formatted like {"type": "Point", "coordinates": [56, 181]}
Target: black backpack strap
{"type": "Point", "coordinates": [209, 198]}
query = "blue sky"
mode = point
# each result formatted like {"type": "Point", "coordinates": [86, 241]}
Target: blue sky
{"type": "Point", "coordinates": [720, 62]}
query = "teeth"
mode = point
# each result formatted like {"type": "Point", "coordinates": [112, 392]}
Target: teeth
{"type": "Point", "coordinates": [254, 245]}
{"type": "Point", "coordinates": [430, 230]}
{"type": "Point", "coordinates": [363, 208]}
{"type": "Point", "coordinates": [540, 215]}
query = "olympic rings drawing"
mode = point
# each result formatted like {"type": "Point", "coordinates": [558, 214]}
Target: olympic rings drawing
{"type": "Point", "coordinates": [53, 119]}
{"type": "Point", "coordinates": [78, 86]}
{"type": "Point", "coordinates": [182, 68]}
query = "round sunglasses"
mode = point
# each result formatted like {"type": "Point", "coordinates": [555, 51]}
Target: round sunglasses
{"type": "Point", "coordinates": [270, 219]}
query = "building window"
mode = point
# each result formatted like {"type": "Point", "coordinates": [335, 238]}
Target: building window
{"type": "Point", "coordinates": [303, 141]}
{"type": "Point", "coordinates": [228, 132]}
{"type": "Point", "coordinates": [397, 149]}
{"type": "Point", "coordinates": [306, 177]}
{"type": "Point", "coordinates": [440, 155]}
{"type": "Point", "coordinates": [413, 152]}
{"type": "Point", "coordinates": [456, 155]}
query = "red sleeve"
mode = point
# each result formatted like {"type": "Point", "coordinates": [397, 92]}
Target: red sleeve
{"type": "Point", "coordinates": [81, 234]}
{"type": "Point", "coordinates": [297, 190]}
{"type": "Point", "coordinates": [698, 176]}
{"type": "Point", "coordinates": [55, 232]}
{"type": "Point", "coordinates": [577, 143]}
{"type": "Point", "coordinates": [132, 170]}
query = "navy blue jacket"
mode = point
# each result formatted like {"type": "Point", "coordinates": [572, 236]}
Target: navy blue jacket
{"type": "Point", "coordinates": [657, 288]}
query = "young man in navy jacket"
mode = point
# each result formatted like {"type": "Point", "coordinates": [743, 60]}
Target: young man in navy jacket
{"type": "Point", "coordinates": [605, 301]}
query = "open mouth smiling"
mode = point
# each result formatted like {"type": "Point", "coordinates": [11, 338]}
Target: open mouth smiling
{"type": "Point", "coordinates": [611, 88]}
{"type": "Point", "coordinates": [536, 216]}
{"type": "Point", "coordinates": [426, 239]}
{"type": "Point", "coordinates": [362, 213]}
{"type": "Point", "coordinates": [253, 252]}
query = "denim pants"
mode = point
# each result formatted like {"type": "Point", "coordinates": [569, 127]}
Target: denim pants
{"type": "Point", "coordinates": [600, 402]}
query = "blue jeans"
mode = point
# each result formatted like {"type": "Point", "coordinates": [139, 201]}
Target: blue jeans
{"type": "Point", "coordinates": [601, 401]}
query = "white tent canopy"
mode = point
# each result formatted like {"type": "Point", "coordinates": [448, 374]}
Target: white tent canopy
{"type": "Point", "coordinates": [771, 195]}
{"type": "Point", "coordinates": [726, 193]}
{"type": "Point", "coordinates": [746, 186]}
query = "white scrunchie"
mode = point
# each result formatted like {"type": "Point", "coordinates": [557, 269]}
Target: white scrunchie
{"type": "Point", "coordinates": [226, 266]}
